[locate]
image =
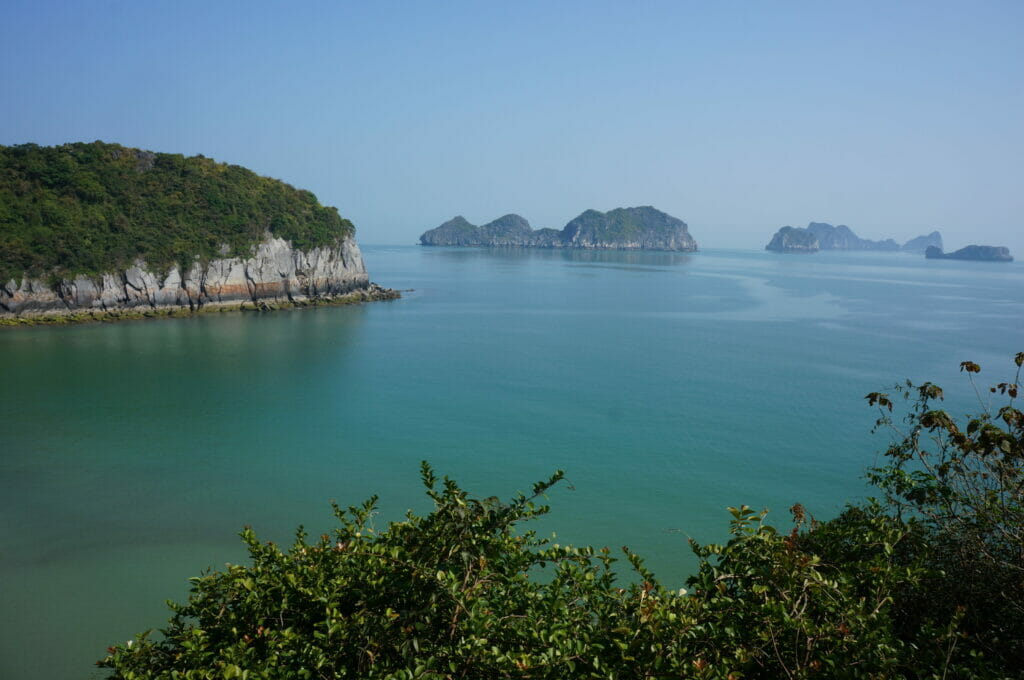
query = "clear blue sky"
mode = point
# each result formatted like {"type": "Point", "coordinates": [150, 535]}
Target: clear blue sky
{"type": "Point", "coordinates": [892, 117]}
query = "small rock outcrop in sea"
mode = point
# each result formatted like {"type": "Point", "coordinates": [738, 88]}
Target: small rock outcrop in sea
{"type": "Point", "coordinates": [922, 243]}
{"type": "Point", "coordinates": [979, 253]}
{"type": "Point", "coordinates": [642, 228]}
{"type": "Point", "coordinates": [822, 236]}
{"type": "Point", "coordinates": [275, 273]}
{"type": "Point", "coordinates": [793, 240]}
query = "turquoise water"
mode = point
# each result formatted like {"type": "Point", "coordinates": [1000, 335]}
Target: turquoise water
{"type": "Point", "coordinates": [668, 386]}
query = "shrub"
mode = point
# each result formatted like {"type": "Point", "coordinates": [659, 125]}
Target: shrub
{"type": "Point", "coordinates": [964, 483]}
{"type": "Point", "coordinates": [923, 584]}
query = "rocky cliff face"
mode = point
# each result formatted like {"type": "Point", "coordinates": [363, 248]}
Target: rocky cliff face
{"type": "Point", "coordinates": [275, 272]}
{"type": "Point", "coordinates": [793, 240]}
{"type": "Point", "coordinates": [641, 228]}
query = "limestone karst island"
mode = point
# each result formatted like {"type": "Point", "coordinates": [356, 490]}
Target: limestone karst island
{"type": "Point", "coordinates": [603, 433]}
{"type": "Point", "coordinates": [822, 236]}
{"type": "Point", "coordinates": [91, 231]}
{"type": "Point", "coordinates": [973, 252]}
{"type": "Point", "coordinates": [642, 228]}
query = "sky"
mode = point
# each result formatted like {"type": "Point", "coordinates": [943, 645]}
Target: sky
{"type": "Point", "coordinates": [894, 118]}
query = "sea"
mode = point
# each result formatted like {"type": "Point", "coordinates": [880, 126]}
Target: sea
{"type": "Point", "coordinates": [667, 386]}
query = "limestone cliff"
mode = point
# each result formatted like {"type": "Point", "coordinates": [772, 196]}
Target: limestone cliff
{"type": "Point", "coordinates": [793, 240]}
{"type": "Point", "coordinates": [275, 272]}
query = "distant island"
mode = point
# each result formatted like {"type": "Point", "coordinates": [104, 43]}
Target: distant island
{"type": "Point", "coordinates": [641, 228]}
{"type": "Point", "coordinates": [822, 236]}
{"type": "Point", "coordinates": [99, 230]}
{"type": "Point", "coordinates": [921, 244]}
{"type": "Point", "coordinates": [793, 240]}
{"type": "Point", "coordinates": [979, 253]}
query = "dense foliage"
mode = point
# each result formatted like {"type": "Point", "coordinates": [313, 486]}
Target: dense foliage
{"type": "Point", "coordinates": [621, 224]}
{"type": "Point", "coordinates": [922, 584]}
{"type": "Point", "coordinates": [89, 208]}
{"type": "Point", "coordinates": [964, 484]}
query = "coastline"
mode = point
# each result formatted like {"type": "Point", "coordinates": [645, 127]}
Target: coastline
{"type": "Point", "coordinates": [59, 317]}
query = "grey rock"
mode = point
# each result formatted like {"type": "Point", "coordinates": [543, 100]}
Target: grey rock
{"type": "Point", "coordinates": [275, 271]}
{"type": "Point", "coordinates": [793, 240]}
{"type": "Point", "coordinates": [546, 238]}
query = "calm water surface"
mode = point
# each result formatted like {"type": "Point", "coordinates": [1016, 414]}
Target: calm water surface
{"type": "Point", "coordinates": [668, 386]}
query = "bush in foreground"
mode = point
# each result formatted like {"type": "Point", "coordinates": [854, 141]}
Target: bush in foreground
{"type": "Point", "coordinates": [467, 592]}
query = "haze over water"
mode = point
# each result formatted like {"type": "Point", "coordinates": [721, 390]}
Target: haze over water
{"type": "Point", "coordinates": [668, 386]}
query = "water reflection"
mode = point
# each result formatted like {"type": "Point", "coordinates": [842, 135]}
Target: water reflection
{"type": "Point", "coordinates": [645, 258]}
{"type": "Point", "coordinates": [218, 333]}
{"type": "Point", "coordinates": [109, 414]}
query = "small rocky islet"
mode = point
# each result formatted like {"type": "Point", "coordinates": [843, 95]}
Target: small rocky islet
{"type": "Point", "coordinates": [639, 228]}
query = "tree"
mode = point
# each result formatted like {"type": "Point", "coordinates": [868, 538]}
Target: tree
{"type": "Point", "coordinates": [965, 484]}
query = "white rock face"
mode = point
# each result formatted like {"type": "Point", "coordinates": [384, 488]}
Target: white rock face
{"type": "Point", "coordinates": [275, 271]}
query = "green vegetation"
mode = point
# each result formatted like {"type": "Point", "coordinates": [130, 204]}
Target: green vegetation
{"type": "Point", "coordinates": [91, 208]}
{"type": "Point", "coordinates": [617, 225]}
{"type": "Point", "coordinates": [624, 225]}
{"type": "Point", "coordinates": [924, 583]}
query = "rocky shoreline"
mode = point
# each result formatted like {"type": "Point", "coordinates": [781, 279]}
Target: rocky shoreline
{"type": "Point", "coordinates": [57, 317]}
{"type": "Point", "coordinates": [274, 275]}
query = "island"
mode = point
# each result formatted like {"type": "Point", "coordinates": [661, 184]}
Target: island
{"type": "Point", "coordinates": [640, 228]}
{"type": "Point", "coordinates": [793, 240]}
{"type": "Point", "coordinates": [102, 231]}
{"type": "Point", "coordinates": [973, 252]}
{"type": "Point", "coordinates": [823, 236]}
{"type": "Point", "coordinates": [923, 243]}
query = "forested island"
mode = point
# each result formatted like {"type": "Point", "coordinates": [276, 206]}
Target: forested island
{"type": "Point", "coordinates": [641, 228]}
{"type": "Point", "coordinates": [92, 230]}
{"type": "Point", "coordinates": [823, 236]}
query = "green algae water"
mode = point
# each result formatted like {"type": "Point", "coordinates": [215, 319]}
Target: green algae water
{"type": "Point", "coordinates": [668, 386]}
